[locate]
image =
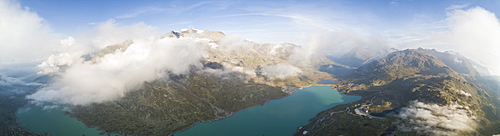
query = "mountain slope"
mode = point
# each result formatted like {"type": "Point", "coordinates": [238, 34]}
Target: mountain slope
{"type": "Point", "coordinates": [161, 108]}
{"type": "Point", "coordinates": [407, 93]}
{"type": "Point", "coordinates": [232, 75]}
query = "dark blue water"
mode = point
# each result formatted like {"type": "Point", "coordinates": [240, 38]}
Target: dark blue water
{"type": "Point", "coordinates": [327, 82]}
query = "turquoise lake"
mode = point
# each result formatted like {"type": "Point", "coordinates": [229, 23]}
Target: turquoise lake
{"type": "Point", "coordinates": [52, 121]}
{"type": "Point", "coordinates": [277, 118]}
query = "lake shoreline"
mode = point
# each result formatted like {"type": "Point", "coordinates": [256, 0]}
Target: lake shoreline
{"type": "Point", "coordinates": [219, 118]}
{"type": "Point", "coordinates": [104, 132]}
{"type": "Point", "coordinates": [17, 118]}
{"type": "Point", "coordinates": [95, 130]}
{"type": "Point", "coordinates": [88, 126]}
{"type": "Point", "coordinates": [232, 113]}
{"type": "Point", "coordinates": [304, 114]}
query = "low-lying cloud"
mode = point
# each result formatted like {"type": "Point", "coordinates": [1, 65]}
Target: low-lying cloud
{"type": "Point", "coordinates": [10, 81]}
{"type": "Point", "coordinates": [432, 119]}
{"type": "Point", "coordinates": [146, 59]}
{"type": "Point", "coordinates": [335, 44]}
{"type": "Point", "coordinates": [280, 71]}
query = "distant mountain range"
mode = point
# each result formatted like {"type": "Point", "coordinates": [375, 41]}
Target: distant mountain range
{"type": "Point", "coordinates": [409, 92]}
{"type": "Point", "coordinates": [405, 92]}
{"type": "Point", "coordinates": [361, 55]}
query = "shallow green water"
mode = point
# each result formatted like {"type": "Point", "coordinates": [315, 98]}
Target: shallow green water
{"type": "Point", "coordinates": [52, 121]}
{"type": "Point", "coordinates": [277, 118]}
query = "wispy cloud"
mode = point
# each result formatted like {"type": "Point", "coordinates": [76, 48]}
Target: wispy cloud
{"type": "Point", "coordinates": [178, 9]}
{"type": "Point", "coordinates": [240, 15]}
{"type": "Point", "coordinates": [9, 81]}
{"type": "Point", "coordinates": [308, 21]}
{"type": "Point", "coordinates": [304, 20]}
{"type": "Point", "coordinates": [180, 23]}
{"type": "Point", "coordinates": [394, 2]}
{"type": "Point", "coordinates": [142, 11]}
{"type": "Point", "coordinates": [455, 7]}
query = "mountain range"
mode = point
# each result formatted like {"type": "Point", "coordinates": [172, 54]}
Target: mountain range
{"type": "Point", "coordinates": [234, 76]}
{"type": "Point", "coordinates": [412, 92]}
{"type": "Point", "coordinates": [405, 92]}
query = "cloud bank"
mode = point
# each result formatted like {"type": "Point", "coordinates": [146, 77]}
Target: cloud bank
{"type": "Point", "coordinates": [10, 81]}
{"type": "Point", "coordinates": [280, 71]}
{"type": "Point", "coordinates": [472, 32]}
{"type": "Point", "coordinates": [145, 59]}
{"type": "Point", "coordinates": [24, 36]}
{"type": "Point", "coordinates": [94, 40]}
{"type": "Point", "coordinates": [475, 33]}
{"type": "Point", "coordinates": [432, 119]}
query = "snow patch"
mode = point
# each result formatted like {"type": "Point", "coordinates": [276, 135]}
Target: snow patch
{"type": "Point", "coordinates": [465, 93]}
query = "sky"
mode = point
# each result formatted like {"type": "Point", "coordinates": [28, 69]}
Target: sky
{"type": "Point", "coordinates": [32, 30]}
{"type": "Point", "coordinates": [264, 21]}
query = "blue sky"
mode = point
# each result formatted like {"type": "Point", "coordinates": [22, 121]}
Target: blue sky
{"type": "Point", "coordinates": [31, 30]}
{"type": "Point", "coordinates": [263, 21]}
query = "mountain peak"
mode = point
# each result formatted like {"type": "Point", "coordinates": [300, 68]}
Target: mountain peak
{"type": "Point", "coordinates": [196, 33]}
{"type": "Point", "coordinates": [401, 64]}
{"type": "Point", "coordinates": [416, 93]}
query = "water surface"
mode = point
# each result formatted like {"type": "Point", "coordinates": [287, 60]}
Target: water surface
{"type": "Point", "coordinates": [277, 118]}
{"type": "Point", "coordinates": [327, 82]}
{"type": "Point", "coordinates": [52, 121]}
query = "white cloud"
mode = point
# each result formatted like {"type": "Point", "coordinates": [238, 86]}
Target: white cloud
{"type": "Point", "coordinates": [142, 11]}
{"type": "Point", "coordinates": [9, 81]}
{"type": "Point", "coordinates": [334, 44]}
{"type": "Point", "coordinates": [105, 34]}
{"type": "Point", "coordinates": [24, 35]}
{"type": "Point", "coordinates": [115, 74]}
{"type": "Point", "coordinates": [432, 119]}
{"type": "Point", "coordinates": [457, 7]}
{"type": "Point", "coordinates": [280, 71]}
{"type": "Point", "coordinates": [472, 32]}
{"type": "Point", "coordinates": [110, 33]}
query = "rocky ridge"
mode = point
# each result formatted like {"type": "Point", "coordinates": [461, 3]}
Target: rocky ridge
{"type": "Point", "coordinates": [410, 92]}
